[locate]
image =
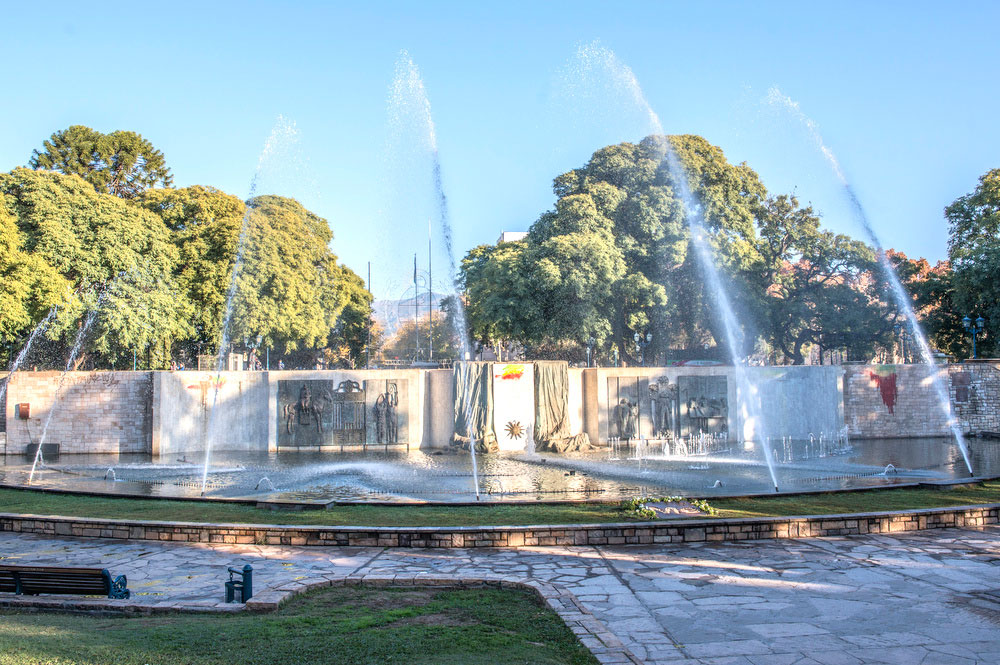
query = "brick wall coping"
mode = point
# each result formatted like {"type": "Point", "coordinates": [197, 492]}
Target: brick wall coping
{"type": "Point", "coordinates": [619, 533]}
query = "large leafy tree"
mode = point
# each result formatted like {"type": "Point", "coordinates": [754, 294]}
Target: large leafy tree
{"type": "Point", "coordinates": [29, 286]}
{"type": "Point", "coordinates": [289, 287]}
{"type": "Point", "coordinates": [117, 258]}
{"type": "Point", "coordinates": [974, 254]}
{"type": "Point", "coordinates": [814, 287]}
{"type": "Point", "coordinates": [121, 163]}
{"type": "Point", "coordinates": [614, 257]}
{"type": "Point", "coordinates": [204, 225]}
{"type": "Point", "coordinates": [934, 296]}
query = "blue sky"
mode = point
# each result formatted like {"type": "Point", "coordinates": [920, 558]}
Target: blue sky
{"type": "Point", "coordinates": [904, 92]}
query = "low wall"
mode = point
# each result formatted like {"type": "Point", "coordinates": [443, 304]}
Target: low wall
{"type": "Point", "coordinates": [169, 413]}
{"type": "Point", "coordinates": [191, 407]}
{"type": "Point", "coordinates": [95, 412]}
{"type": "Point", "coordinates": [632, 533]}
{"type": "Point", "coordinates": [794, 401]}
{"type": "Point", "coordinates": [891, 401]}
{"type": "Point", "coordinates": [974, 388]}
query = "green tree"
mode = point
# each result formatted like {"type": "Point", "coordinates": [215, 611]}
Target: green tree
{"type": "Point", "coordinates": [814, 287]}
{"type": "Point", "coordinates": [204, 225]}
{"type": "Point", "coordinates": [290, 288]}
{"type": "Point", "coordinates": [121, 163]}
{"type": "Point", "coordinates": [933, 290]}
{"type": "Point", "coordinates": [350, 334]}
{"type": "Point", "coordinates": [110, 253]}
{"type": "Point", "coordinates": [974, 254]}
{"type": "Point", "coordinates": [29, 287]}
{"type": "Point", "coordinates": [614, 256]}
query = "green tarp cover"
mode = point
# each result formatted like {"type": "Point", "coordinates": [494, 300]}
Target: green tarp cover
{"type": "Point", "coordinates": [552, 409]}
{"type": "Point", "coordinates": [551, 400]}
{"type": "Point", "coordinates": [474, 406]}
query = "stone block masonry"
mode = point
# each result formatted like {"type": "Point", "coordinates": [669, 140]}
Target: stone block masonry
{"type": "Point", "coordinates": [91, 412]}
{"type": "Point", "coordinates": [166, 413]}
{"type": "Point", "coordinates": [629, 533]}
{"type": "Point", "coordinates": [894, 401]}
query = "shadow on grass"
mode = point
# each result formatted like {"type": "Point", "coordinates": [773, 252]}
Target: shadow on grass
{"type": "Point", "coordinates": [343, 625]}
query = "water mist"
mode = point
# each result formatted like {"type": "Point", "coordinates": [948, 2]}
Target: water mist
{"type": "Point", "coordinates": [903, 300]}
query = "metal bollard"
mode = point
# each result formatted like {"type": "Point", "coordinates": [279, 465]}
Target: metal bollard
{"type": "Point", "coordinates": [244, 585]}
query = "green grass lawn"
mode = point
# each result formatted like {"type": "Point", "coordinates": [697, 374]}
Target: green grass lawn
{"type": "Point", "coordinates": [343, 625]}
{"type": "Point", "coordinates": [858, 502]}
{"type": "Point", "coordinates": [43, 503]}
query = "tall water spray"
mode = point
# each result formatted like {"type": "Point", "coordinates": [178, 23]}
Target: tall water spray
{"type": "Point", "coordinates": [903, 300]}
{"type": "Point", "coordinates": [408, 97]}
{"type": "Point", "coordinates": [42, 325]}
{"type": "Point", "coordinates": [595, 57]}
{"type": "Point", "coordinates": [283, 132]}
{"type": "Point", "coordinates": [70, 361]}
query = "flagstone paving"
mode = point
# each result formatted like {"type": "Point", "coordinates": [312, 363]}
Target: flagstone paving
{"type": "Point", "coordinates": [919, 597]}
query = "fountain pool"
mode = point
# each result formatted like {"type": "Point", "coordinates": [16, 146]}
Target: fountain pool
{"type": "Point", "coordinates": [438, 476]}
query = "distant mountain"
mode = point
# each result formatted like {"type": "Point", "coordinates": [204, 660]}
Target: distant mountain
{"type": "Point", "coordinates": [391, 314]}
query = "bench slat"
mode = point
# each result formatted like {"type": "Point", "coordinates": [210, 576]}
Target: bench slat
{"type": "Point", "coordinates": [34, 580]}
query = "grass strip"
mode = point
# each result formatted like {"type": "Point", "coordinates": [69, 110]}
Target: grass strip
{"type": "Point", "coordinates": [44, 503]}
{"type": "Point", "coordinates": [344, 625]}
{"type": "Point", "coordinates": [832, 503]}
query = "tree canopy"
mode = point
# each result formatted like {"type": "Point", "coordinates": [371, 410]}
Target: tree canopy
{"type": "Point", "coordinates": [974, 254]}
{"type": "Point", "coordinates": [157, 269]}
{"type": "Point", "coordinates": [615, 258]}
{"type": "Point", "coordinates": [121, 163]}
{"type": "Point", "coordinates": [100, 246]}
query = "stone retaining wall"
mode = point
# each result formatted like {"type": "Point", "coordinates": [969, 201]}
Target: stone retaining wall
{"type": "Point", "coordinates": [894, 401]}
{"type": "Point", "coordinates": [94, 412]}
{"type": "Point", "coordinates": [632, 533]}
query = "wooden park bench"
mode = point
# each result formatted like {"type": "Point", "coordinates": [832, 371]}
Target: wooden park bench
{"type": "Point", "coordinates": [33, 580]}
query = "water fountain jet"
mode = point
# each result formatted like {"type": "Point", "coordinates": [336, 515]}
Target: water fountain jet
{"type": "Point", "coordinates": [747, 393]}
{"type": "Point", "coordinates": [77, 344]}
{"type": "Point", "coordinates": [16, 364]}
{"type": "Point", "coordinates": [281, 132]}
{"type": "Point", "coordinates": [903, 300]}
{"type": "Point", "coordinates": [408, 92]}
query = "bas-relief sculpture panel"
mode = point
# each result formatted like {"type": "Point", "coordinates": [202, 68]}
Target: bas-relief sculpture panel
{"type": "Point", "coordinates": [662, 408]}
{"type": "Point", "coordinates": [328, 412]}
{"type": "Point", "coordinates": [703, 404]}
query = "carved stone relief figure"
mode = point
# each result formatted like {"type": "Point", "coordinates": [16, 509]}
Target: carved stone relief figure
{"type": "Point", "coordinates": [663, 403]}
{"type": "Point", "coordinates": [386, 423]}
{"type": "Point", "coordinates": [626, 415]}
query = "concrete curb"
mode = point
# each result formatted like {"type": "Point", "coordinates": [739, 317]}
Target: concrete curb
{"type": "Point", "coordinates": [628, 533]}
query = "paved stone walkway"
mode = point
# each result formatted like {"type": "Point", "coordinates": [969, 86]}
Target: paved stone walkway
{"type": "Point", "coordinates": [911, 598]}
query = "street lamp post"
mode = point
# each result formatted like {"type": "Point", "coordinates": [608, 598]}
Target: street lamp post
{"type": "Point", "coordinates": [974, 328]}
{"type": "Point", "coordinates": [640, 346]}
{"type": "Point", "coordinates": [904, 337]}
{"type": "Point", "coordinates": [591, 343]}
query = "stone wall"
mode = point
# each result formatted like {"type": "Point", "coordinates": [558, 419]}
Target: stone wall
{"type": "Point", "coordinates": [891, 401]}
{"type": "Point", "coordinates": [975, 395]}
{"type": "Point", "coordinates": [192, 407]}
{"type": "Point", "coordinates": [168, 413]}
{"type": "Point", "coordinates": [91, 412]}
{"type": "Point", "coordinates": [795, 401]}
{"type": "Point", "coordinates": [689, 530]}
